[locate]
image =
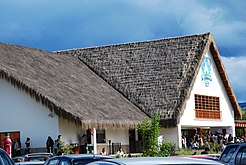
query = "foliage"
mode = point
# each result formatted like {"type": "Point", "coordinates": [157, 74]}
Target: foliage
{"type": "Point", "coordinates": [215, 147]}
{"type": "Point", "coordinates": [65, 148]}
{"type": "Point", "coordinates": [167, 149]}
{"type": "Point", "coordinates": [149, 130]}
{"type": "Point", "coordinates": [243, 114]}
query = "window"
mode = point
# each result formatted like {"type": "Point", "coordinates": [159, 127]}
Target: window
{"type": "Point", "coordinates": [207, 107]}
{"type": "Point", "coordinates": [241, 156]}
{"type": "Point", "coordinates": [53, 162]}
{"type": "Point", "coordinates": [228, 153]}
{"type": "Point", "coordinates": [64, 162]}
{"type": "Point", "coordinates": [101, 136]}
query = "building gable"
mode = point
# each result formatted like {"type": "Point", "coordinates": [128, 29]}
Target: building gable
{"type": "Point", "coordinates": [156, 76]}
{"type": "Point", "coordinates": [209, 103]}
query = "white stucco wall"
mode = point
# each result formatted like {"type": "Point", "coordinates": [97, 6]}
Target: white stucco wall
{"type": "Point", "coordinates": [170, 135]}
{"type": "Point", "coordinates": [188, 120]}
{"type": "Point", "coordinates": [215, 88]}
{"type": "Point", "coordinates": [69, 131]}
{"type": "Point", "coordinates": [20, 112]}
{"type": "Point", "coordinates": [117, 135]}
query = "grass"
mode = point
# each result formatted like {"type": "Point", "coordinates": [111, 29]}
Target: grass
{"type": "Point", "coordinates": [183, 152]}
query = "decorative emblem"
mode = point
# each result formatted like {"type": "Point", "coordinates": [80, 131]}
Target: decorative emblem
{"type": "Point", "coordinates": [206, 70]}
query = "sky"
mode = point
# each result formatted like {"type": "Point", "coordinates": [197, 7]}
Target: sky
{"type": "Point", "coordinates": [65, 24]}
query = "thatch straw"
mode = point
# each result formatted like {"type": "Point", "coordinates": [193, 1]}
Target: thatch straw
{"type": "Point", "coordinates": [67, 87]}
{"type": "Point", "coordinates": [156, 76]}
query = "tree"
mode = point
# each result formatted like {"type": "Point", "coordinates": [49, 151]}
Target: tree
{"type": "Point", "coordinates": [149, 129]}
{"type": "Point", "coordinates": [243, 114]}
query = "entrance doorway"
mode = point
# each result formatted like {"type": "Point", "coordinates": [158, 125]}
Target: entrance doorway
{"type": "Point", "coordinates": [13, 135]}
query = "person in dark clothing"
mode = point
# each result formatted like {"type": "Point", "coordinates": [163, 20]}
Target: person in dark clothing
{"type": "Point", "coordinates": [49, 145]}
{"type": "Point", "coordinates": [28, 145]}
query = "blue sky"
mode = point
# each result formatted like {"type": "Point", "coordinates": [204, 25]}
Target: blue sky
{"type": "Point", "coordinates": [64, 24]}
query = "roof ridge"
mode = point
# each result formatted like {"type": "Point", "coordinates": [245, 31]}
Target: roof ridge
{"type": "Point", "coordinates": [136, 42]}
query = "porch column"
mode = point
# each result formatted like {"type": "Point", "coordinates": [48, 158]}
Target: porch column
{"type": "Point", "coordinates": [179, 136]}
{"type": "Point", "coordinates": [94, 141]}
{"type": "Point", "coordinates": [233, 131]}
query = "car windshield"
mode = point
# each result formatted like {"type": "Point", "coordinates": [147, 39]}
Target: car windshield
{"type": "Point", "coordinates": [227, 154]}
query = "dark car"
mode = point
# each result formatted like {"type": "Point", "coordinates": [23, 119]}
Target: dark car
{"type": "Point", "coordinates": [5, 159]}
{"type": "Point", "coordinates": [234, 154]}
{"type": "Point", "coordinates": [75, 159]}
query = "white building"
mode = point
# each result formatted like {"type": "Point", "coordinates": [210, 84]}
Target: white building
{"type": "Point", "coordinates": [107, 91]}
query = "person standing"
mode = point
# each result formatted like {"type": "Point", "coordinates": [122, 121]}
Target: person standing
{"type": "Point", "coordinates": [28, 145]}
{"type": "Point", "coordinates": [59, 145]}
{"type": "Point", "coordinates": [49, 145]}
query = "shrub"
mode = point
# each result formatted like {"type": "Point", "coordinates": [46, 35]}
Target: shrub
{"type": "Point", "coordinates": [167, 149]}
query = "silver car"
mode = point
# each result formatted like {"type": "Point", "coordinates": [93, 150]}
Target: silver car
{"type": "Point", "coordinates": [154, 161]}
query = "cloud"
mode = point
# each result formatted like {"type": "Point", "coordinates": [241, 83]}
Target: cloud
{"type": "Point", "coordinates": [64, 24]}
{"type": "Point", "coordinates": [53, 25]}
{"type": "Point", "coordinates": [235, 69]}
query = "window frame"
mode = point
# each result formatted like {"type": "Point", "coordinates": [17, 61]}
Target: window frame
{"type": "Point", "coordinates": [101, 135]}
{"type": "Point", "coordinates": [207, 107]}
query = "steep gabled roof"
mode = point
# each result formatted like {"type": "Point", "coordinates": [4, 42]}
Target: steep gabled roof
{"type": "Point", "coordinates": [157, 76]}
{"type": "Point", "coordinates": [67, 87]}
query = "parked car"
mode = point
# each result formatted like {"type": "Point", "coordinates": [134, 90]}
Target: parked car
{"type": "Point", "coordinates": [234, 154]}
{"type": "Point", "coordinates": [19, 158]}
{"type": "Point", "coordinates": [154, 161]}
{"type": "Point", "coordinates": [30, 163]}
{"type": "Point", "coordinates": [37, 156]}
{"type": "Point", "coordinates": [76, 159]}
{"type": "Point", "coordinates": [5, 159]}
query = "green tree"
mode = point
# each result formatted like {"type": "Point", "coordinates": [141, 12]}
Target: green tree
{"type": "Point", "coordinates": [243, 114]}
{"type": "Point", "coordinates": [149, 129]}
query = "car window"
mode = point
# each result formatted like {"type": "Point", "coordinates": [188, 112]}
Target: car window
{"type": "Point", "coordinates": [228, 153]}
{"type": "Point", "coordinates": [241, 156]}
{"type": "Point", "coordinates": [64, 162]}
{"type": "Point", "coordinates": [83, 161]}
{"type": "Point", "coordinates": [53, 162]}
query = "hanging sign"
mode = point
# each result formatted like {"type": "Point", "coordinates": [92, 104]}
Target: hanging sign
{"type": "Point", "coordinates": [206, 70]}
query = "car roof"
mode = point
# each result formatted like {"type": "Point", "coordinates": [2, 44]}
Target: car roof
{"type": "Point", "coordinates": [39, 153]}
{"type": "Point", "coordinates": [240, 144]}
{"type": "Point", "coordinates": [156, 160]}
{"type": "Point", "coordinates": [2, 150]}
{"type": "Point", "coordinates": [30, 163]}
{"type": "Point", "coordinates": [81, 156]}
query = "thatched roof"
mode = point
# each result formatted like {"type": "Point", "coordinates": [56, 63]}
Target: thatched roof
{"type": "Point", "coordinates": [67, 87]}
{"type": "Point", "coordinates": [157, 76]}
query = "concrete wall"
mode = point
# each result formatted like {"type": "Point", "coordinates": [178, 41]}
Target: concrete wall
{"type": "Point", "coordinates": [20, 112]}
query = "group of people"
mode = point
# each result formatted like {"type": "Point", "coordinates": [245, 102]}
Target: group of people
{"type": "Point", "coordinates": [54, 146]}
{"type": "Point", "coordinates": [51, 146]}
{"type": "Point", "coordinates": [203, 142]}
{"type": "Point", "coordinates": [120, 153]}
